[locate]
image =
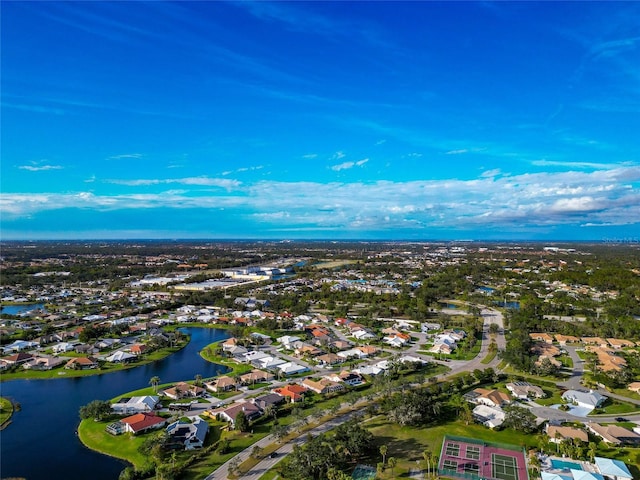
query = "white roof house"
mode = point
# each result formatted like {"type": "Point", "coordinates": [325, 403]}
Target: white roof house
{"type": "Point", "coordinates": [267, 362]}
{"type": "Point", "coordinates": [291, 368]}
{"type": "Point", "coordinates": [614, 469]}
{"type": "Point", "coordinates": [583, 475]}
{"type": "Point", "coordinates": [589, 399]}
{"type": "Point", "coordinates": [491, 417]}
{"type": "Point", "coordinates": [288, 340]}
{"type": "Point", "coordinates": [554, 476]}
{"type": "Point", "coordinates": [363, 335]}
{"type": "Point", "coordinates": [394, 341]}
{"type": "Point", "coordinates": [354, 352]}
{"type": "Point", "coordinates": [254, 355]}
{"type": "Point", "coordinates": [120, 356]}
{"type": "Point", "coordinates": [132, 405]}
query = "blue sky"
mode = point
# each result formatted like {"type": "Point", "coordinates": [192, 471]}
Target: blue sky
{"type": "Point", "coordinates": [354, 120]}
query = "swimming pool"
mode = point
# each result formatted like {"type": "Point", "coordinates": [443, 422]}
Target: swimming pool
{"type": "Point", "coordinates": [562, 465]}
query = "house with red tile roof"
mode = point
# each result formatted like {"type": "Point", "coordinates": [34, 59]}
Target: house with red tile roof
{"type": "Point", "coordinates": [293, 391]}
{"type": "Point", "coordinates": [141, 422]}
{"type": "Point", "coordinates": [138, 349]}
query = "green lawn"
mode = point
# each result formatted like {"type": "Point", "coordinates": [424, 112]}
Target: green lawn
{"type": "Point", "coordinates": [614, 407]}
{"type": "Point", "coordinates": [208, 353]}
{"type": "Point", "coordinates": [6, 411]}
{"type": "Point", "coordinates": [93, 435]}
{"type": "Point", "coordinates": [553, 397]}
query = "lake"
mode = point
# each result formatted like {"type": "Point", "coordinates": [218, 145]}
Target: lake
{"type": "Point", "coordinates": [23, 308]}
{"type": "Point", "coordinates": [41, 441]}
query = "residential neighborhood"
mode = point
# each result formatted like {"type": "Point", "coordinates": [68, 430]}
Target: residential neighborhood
{"type": "Point", "coordinates": [284, 367]}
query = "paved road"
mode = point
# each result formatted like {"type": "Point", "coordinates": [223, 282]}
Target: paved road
{"type": "Point", "coordinates": [222, 473]}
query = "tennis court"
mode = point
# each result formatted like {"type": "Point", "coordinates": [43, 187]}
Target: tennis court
{"type": "Point", "coordinates": [473, 459]}
{"type": "Point", "coordinates": [504, 467]}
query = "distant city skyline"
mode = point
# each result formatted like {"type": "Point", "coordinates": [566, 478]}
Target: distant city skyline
{"type": "Point", "coordinates": [320, 120]}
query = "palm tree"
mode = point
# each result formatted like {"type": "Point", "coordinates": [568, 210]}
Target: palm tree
{"type": "Point", "coordinates": [428, 457]}
{"type": "Point", "coordinates": [593, 447]}
{"type": "Point", "coordinates": [392, 464]}
{"type": "Point", "coordinates": [198, 379]}
{"type": "Point", "coordinates": [383, 452]}
{"type": "Point", "coordinates": [155, 380]}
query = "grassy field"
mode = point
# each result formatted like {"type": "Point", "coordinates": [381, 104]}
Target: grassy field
{"type": "Point", "coordinates": [332, 264]}
{"type": "Point", "coordinates": [6, 411]}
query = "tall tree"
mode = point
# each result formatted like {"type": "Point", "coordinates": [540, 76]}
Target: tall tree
{"type": "Point", "coordinates": [383, 452]}
{"type": "Point", "coordinates": [96, 409]}
{"type": "Point", "coordinates": [154, 382]}
{"type": "Point", "coordinates": [241, 422]}
{"type": "Point", "coordinates": [392, 465]}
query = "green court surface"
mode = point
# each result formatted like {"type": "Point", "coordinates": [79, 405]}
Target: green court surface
{"type": "Point", "coordinates": [504, 467]}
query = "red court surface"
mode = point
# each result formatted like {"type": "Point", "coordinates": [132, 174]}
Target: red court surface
{"type": "Point", "coordinates": [474, 459]}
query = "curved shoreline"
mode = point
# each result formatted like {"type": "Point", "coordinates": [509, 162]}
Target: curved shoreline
{"type": "Point", "coordinates": [9, 403]}
{"type": "Point", "coordinates": [64, 373]}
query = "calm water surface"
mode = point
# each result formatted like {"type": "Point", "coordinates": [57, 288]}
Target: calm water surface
{"type": "Point", "coordinates": [41, 443]}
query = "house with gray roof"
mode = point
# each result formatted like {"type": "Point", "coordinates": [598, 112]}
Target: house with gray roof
{"type": "Point", "coordinates": [613, 469]}
{"type": "Point", "coordinates": [190, 435]}
{"type": "Point", "coordinates": [588, 399]}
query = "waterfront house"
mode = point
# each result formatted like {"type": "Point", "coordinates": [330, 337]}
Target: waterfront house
{"type": "Point", "coordinates": [189, 435]}
{"type": "Point", "coordinates": [141, 422]}
{"type": "Point", "coordinates": [42, 363]}
{"type": "Point", "coordinates": [82, 363]}
{"type": "Point", "coordinates": [131, 405]}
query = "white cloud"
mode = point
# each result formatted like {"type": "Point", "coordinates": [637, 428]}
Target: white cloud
{"type": "Point", "coordinates": [348, 165]}
{"type": "Point", "coordinates": [39, 168]}
{"type": "Point", "coordinates": [581, 165]}
{"type": "Point", "coordinates": [200, 181]}
{"type": "Point", "coordinates": [126, 156]}
{"type": "Point", "coordinates": [310, 156]}
{"type": "Point", "coordinates": [338, 155]}
{"type": "Point", "coordinates": [491, 173]}
{"type": "Point", "coordinates": [533, 200]}
{"type": "Point", "coordinates": [457, 152]}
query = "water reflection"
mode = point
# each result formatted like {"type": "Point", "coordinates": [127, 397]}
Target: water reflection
{"type": "Point", "coordinates": [41, 442]}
